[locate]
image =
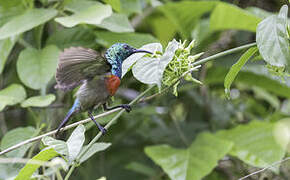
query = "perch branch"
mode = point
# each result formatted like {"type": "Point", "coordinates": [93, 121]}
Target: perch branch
{"type": "Point", "coordinates": [54, 131]}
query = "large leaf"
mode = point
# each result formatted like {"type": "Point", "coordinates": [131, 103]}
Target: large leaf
{"type": "Point", "coordinates": [58, 145]}
{"type": "Point", "coordinates": [184, 15]}
{"type": "Point", "coordinates": [10, 9]}
{"type": "Point", "coordinates": [36, 67]}
{"type": "Point", "coordinates": [11, 95]}
{"type": "Point", "coordinates": [150, 70]}
{"type": "Point", "coordinates": [75, 142]}
{"type": "Point", "coordinates": [117, 23]}
{"type": "Point", "coordinates": [16, 136]}
{"type": "Point", "coordinates": [24, 22]}
{"type": "Point", "coordinates": [76, 36]}
{"type": "Point", "coordinates": [193, 163]}
{"type": "Point", "coordinates": [162, 28]}
{"type": "Point", "coordinates": [27, 171]}
{"type": "Point", "coordinates": [116, 4]}
{"type": "Point", "coordinates": [281, 133]}
{"type": "Point", "coordinates": [93, 149]}
{"type": "Point", "coordinates": [129, 7]}
{"type": "Point", "coordinates": [38, 101]}
{"type": "Point", "coordinates": [127, 64]}
{"type": "Point", "coordinates": [217, 74]}
{"type": "Point", "coordinates": [254, 143]}
{"type": "Point", "coordinates": [92, 15]}
{"type": "Point", "coordinates": [272, 39]}
{"type": "Point", "coordinates": [227, 16]}
{"type": "Point", "coordinates": [6, 46]}
{"type": "Point", "coordinates": [134, 39]}
{"type": "Point", "coordinates": [233, 72]}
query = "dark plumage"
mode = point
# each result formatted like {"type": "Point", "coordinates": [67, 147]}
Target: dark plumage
{"type": "Point", "coordinates": [98, 76]}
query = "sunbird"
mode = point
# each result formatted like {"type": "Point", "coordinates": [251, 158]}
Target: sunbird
{"type": "Point", "coordinates": [98, 77]}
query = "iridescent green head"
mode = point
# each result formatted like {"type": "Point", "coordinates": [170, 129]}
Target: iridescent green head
{"type": "Point", "coordinates": [117, 53]}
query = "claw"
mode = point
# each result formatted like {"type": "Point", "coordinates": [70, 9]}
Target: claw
{"type": "Point", "coordinates": [103, 130]}
{"type": "Point", "coordinates": [127, 107]}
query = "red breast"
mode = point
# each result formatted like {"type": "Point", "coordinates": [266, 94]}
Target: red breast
{"type": "Point", "coordinates": [112, 84]}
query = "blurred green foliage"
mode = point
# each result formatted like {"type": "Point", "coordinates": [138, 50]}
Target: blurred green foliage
{"type": "Point", "coordinates": [199, 134]}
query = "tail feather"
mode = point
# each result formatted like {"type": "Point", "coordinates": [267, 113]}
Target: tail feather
{"type": "Point", "coordinates": [73, 110]}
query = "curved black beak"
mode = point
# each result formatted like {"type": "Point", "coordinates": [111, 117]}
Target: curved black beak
{"type": "Point", "coordinates": [141, 51]}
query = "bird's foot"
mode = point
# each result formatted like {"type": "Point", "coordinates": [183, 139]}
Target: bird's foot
{"type": "Point", "coordinates": [127, 107]}
{"type": "Point", "coordinates": [102, 129]}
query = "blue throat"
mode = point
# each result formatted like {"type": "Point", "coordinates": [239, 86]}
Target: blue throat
{"type": "Point", "coordinates": [117, 69]}
{"type": "Point", "coordinates": [116, 63]}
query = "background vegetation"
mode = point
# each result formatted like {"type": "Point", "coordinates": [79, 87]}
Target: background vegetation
{"type": "Point", "coordinates": [185, 131]}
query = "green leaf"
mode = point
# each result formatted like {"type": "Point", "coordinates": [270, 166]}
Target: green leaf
{"type": "Point", "coordinates": [38, 101]}
{"type": "Point", "coordinates": [35, 67]}
{"type": "Point", "coordinates": [6, 46]}
{"type": "Point", "coordinates": [127, 64]}
{"type": "Point", "coordinates": [272, 39]}
{"type": "Point", "coordinates": [58, 145]}
{"type": "Point", "coordinates": [129, 7]}
{"type": "Point", "coordinates": [76, 36]}
{"type": "Point", "coordinates": [77, 6]}
{"type": "Point", "coordinates": [254, 143]}
{"type": "Point", "coordinates": [226, 16]}
{"type": "Point", "coordinates": [117, 23]}
{"type": "Point", "coordinates": [27, 171]}
{"type": "Point", "coordinates": [116, 4]}
{"type": "Point", "coordinates": [217, 74]}
{"type": "Point", "coordinates": [182, 16]}
{"type": "Point", "coordinates": [10, 9]}
{"type": "Point", "coordinates": [16, 136]}
{"type": "Point", "coordinates": [94, 149]}
{"type": "Point", "coordinates": [94, 15]}
{"type": "Point", "coordinates": [233, 72]}
{"type": "Point", "coordinates": [281, 133]}
{"type": "Point", "coordinates": [150, 70]}
{"type": "Point", "coordinates": [75, 142]}
{"type": "Point", "coordinates": [137, 40]}
{"type": "Point", "coordinates": [24, 22]}
{"type": "Point", "coordinates": [162, 28]}
{"type": "Point", "coordinates": [193, 163]}
{"type": "Point", "coordinates": [11, 95]}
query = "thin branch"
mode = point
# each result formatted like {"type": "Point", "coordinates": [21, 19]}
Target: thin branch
{"type": "Point", "coordinates": [272, 165]}
{"type": "Point", "coordinates": [227, 52]}
{"type": "Point", "coordinates": [54, 131]}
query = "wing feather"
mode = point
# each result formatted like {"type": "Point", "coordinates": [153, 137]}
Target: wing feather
{"type": "Point", "coordinates": [77, 64]}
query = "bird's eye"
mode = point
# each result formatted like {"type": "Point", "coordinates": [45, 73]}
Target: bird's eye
{"type": "Point", "coordinates": [126, 47]}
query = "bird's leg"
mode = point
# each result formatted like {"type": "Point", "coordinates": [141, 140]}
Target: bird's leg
{"type": "Point", "coordinates": [101, 128]}
{"type": "Point", "coordinates": [127, 107]}
{"type": "Point", "coordinates": [65, 121]}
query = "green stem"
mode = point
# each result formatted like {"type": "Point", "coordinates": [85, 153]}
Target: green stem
{"type": "Point", "coordinates": [97, 137]}
{"type": "Point", "coordinates": [70, 172]}
{"type": "Point", "coordinates": [227, 52]}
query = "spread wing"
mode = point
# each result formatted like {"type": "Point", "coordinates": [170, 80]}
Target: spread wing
{"type": "Point", "coordinates": [77, 64]}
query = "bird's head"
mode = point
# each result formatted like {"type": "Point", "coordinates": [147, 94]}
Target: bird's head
{"type": "Point", "coordinates": [118, 52]}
